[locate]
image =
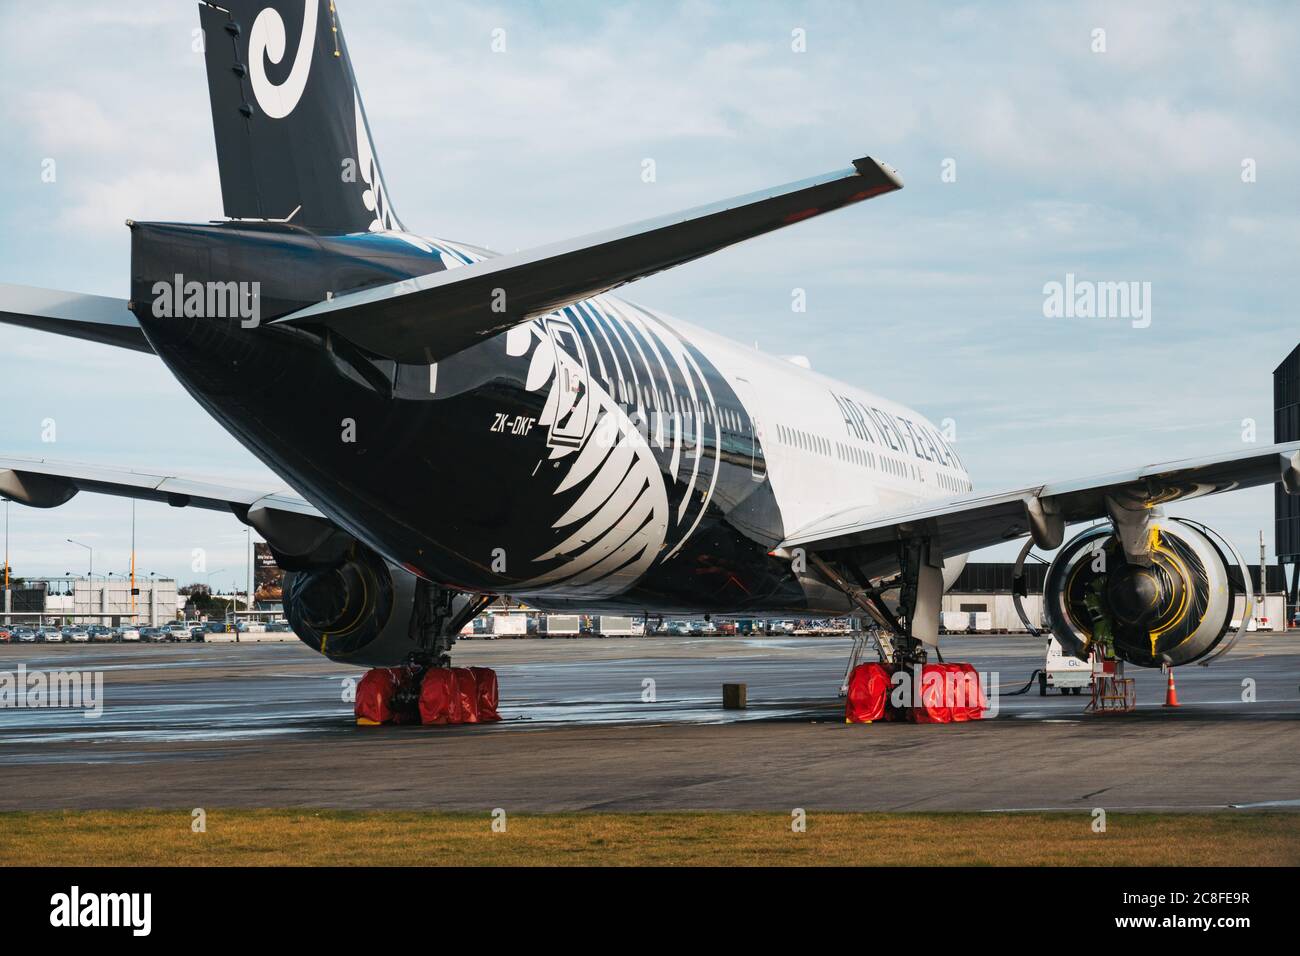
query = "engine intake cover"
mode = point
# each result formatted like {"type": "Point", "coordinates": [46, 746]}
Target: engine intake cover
{"type": "Point", "coordinates": [1176, 611]}
{"type": "Point", "coordinates": [359, 611]}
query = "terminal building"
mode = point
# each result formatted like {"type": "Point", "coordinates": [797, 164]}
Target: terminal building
{"type": "Point", "coordinates": [92, 601]}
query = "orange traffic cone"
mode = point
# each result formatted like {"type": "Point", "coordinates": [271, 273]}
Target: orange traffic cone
{"type": "Point", "coordinates": [1171, 692]}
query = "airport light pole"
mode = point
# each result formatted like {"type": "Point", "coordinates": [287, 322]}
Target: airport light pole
{"type": "Point", "coordinates": [249, 555]}
{"type": "Point", "coordinates": [6, 598]}
{"type": "Point", "coordinates": [90, 573]}
{"type": "Point", "coordinates": [133, 559]}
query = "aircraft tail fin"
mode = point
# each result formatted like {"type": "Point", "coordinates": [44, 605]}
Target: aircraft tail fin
{"type": "Point", "coordinates": [292, 137]}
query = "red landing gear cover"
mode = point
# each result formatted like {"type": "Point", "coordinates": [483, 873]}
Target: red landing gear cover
{"type": "Point", "coordinates": [949, 693]}
{"type": "Point", "coordinates": [440, 697]}
{"type": "Point", "coordinates": [485, 678]}
{"type": "Point", "coordinates": [976, 702]}
{"type": "Point", "coordinates": [868, 693]}
{"type": "Point", "coordinates": [933, 707]}
{"type": "Point", "coordinates": [467, 691]}
{"type": "Point", "coordinates": [377, 694]}
{"type": "Point", "coordinates": [459, 695]}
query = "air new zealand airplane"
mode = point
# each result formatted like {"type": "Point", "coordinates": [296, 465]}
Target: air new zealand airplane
{"type": "Point", "coordinates": [455, 424]}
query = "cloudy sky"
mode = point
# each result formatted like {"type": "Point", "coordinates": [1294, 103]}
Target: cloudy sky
{"type": "Point", "coordinates": [1123, 164]}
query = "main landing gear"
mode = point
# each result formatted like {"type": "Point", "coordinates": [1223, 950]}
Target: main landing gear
{"type": "Point", "coordinates": [427, 689]}
{"type": "Point", "coordinates": [902, 685]}
{"type": "Point", "coordinates": [900, 639]}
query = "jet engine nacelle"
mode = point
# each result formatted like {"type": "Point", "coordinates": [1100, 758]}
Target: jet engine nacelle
{"type": "Point", "coordinates": [360, 611]}
{"type": "Point", "coordinates": [1174, 612]}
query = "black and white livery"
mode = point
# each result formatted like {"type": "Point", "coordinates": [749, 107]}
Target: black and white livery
{"type": "Point", "coordinates": [452, 424]}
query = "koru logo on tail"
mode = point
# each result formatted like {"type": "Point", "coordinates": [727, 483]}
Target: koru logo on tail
{"type": "Point", "coordinates": [267, 40]}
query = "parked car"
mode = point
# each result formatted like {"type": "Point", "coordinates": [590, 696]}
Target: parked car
{"type": "Point", "coordinates": [197, 632]}
{"type": "Point", "coordinates": [153, 635]}
{"type": "Point", "coordinates": [52, 635]}
{"type": "Point", "coordinates": [6, 635]}
{"type": "Point", "coordinates": [126, 633]}
{"type": "Point", "coordinates": [24, 635]}
{"type": "Point", "coordinates": [99, 633]}
{"type": "Point", "coordinates": [77, 635]}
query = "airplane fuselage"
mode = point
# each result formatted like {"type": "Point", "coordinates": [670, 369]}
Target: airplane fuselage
{"type": "Point", "coordinates": [605, 456]}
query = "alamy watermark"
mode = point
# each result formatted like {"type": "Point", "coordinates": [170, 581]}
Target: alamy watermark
{"type": "Point", "coordinates": [212, 300]}
{"type": "Point", "coordinates": [943, 688]}
{"type": "Point", "coordinates": [38, 690]}
{"type": "Point", "coordinates": [1085, 299]}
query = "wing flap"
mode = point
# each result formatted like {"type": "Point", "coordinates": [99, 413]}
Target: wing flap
{"type": "Point", "coordinates": [427, 318]}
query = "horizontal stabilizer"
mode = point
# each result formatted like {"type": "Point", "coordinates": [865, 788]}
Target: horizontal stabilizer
{"type": "Point", "coordinates": [96, 318]}
{"type": "Point", "coordinates": [430, 317]}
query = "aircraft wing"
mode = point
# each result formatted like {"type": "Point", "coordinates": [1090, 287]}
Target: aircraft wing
{"type": "Point", "coordinates": [967, 522]}
{"type": "Point", "coordinates": [96, 318]}
{"type": "Point", "coordinates": [291, 524]}
{"type": "Point", "coordinates": [42, 483]}
{"type": "Point", "coordinates": [427, 318]}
